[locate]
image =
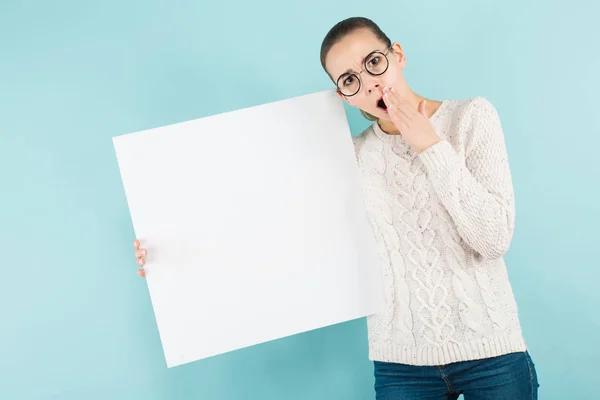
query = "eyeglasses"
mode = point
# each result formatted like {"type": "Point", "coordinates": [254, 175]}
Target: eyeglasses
{"type": "Point", "coordinates": [376, 64]}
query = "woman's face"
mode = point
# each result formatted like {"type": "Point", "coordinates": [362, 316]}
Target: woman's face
{"type": "Point", "coordinates": [353, 57]}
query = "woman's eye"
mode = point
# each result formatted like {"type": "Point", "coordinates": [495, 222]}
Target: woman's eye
{"type": "Point", "coordinates": [374, 61]}
{"type": "Point", "coordinates": [348, 81]}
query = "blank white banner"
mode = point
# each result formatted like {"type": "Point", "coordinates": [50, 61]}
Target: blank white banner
{"type": "Point", "coordinates": [254, 223]}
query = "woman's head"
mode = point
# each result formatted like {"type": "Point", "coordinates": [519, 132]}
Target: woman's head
{"type": "Point", "coordinates": [360, 59]}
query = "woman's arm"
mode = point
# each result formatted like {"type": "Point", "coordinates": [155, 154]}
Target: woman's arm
{"type": "Point", "coordinates": [478, 193]}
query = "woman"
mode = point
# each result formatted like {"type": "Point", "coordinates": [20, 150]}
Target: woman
{"type": "Point", "coordinates": [439, 194]}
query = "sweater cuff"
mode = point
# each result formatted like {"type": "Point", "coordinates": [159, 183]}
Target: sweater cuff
{"type": "Point", "coordinates": [439, 158]}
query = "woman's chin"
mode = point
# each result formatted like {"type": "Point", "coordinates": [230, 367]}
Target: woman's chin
{"type": "Point", "coordinates": [383, 115]}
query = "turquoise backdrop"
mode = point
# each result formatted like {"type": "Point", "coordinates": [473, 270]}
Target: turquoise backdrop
{"type": "Point", "coordinates": [76, 322]}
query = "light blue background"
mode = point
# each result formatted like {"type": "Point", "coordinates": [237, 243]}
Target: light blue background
{"type": "Point", "coordinates": [76, 321]}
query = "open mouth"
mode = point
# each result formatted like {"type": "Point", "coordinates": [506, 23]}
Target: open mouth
{"type": "Point", "coordinates": [381, 104]}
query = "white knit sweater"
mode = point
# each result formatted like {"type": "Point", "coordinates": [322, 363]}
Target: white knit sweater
{"type": "Point", "coordinates": [443, 220]}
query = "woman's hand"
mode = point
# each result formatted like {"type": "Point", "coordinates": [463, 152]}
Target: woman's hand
{"type": "Point", "coordinates": [414, 125]}
{"type": "Point", "coordinates": [140, 254]}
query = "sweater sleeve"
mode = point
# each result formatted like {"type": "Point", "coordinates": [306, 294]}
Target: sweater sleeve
{"type": "Point", "coordinates": [477, 192]}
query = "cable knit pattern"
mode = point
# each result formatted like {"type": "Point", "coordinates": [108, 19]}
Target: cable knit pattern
{"type": "Point", "coordinates": [443, 220]}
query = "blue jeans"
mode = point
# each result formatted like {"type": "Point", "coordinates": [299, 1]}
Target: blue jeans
{"type": "Point", "coordinates": [508, 377]}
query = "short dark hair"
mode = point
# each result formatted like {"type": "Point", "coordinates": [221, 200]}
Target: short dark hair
{"type": "Point", "coordinates": [345, 27]}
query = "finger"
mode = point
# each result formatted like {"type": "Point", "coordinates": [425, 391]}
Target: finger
{"type": "Point", "coordinates": [140, 253]}
{"type": "Point", "coordinates": [392, 96]}
{"type": "Point", "coordinates": [390, 101]}
{"type": "Point", "coordinates": [402, 102]}
{"type": "Point", "coordinates": [422, 108]}
{"type": "Point", "coordinates": [136, 244]}
{"type": "Point", "coordinates": [393, 106]}
{"type": "Point", "coordinates": [141, 261]}
{"type": "Point", "coordinates": [398, 119]}
{"type": "Point", "coordinates": [141, 273]}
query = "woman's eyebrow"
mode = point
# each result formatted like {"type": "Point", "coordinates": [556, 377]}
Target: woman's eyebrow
{"type": "Point", "coordinates": [362, 61]}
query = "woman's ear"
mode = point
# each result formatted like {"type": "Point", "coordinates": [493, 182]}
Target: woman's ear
{"type": "Point", "coordinates": [341, 95]}
{"type": "Point", "coordinates": [398, 53]}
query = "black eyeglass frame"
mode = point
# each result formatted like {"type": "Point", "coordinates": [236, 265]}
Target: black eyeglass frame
{"type": "Point", "coordinates": [347, 74]}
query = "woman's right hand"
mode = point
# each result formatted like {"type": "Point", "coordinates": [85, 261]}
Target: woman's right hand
{"type": "Point", "coordinates": [141, 260]}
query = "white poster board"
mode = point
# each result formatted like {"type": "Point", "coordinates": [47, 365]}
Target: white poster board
{"type": "Point", "coordinates": [254, 224]}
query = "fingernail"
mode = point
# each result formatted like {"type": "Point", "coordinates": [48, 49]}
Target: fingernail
{"type": "Point", "coordinates": [136, 244]}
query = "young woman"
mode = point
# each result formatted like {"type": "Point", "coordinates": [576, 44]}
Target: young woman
{"type": "Point", "coordinates": [440, 198]}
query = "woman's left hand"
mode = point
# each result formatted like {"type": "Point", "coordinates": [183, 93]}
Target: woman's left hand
{"type": "Point", "coordinates": [414, 125]}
